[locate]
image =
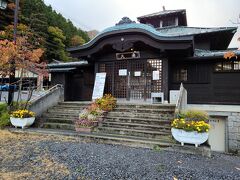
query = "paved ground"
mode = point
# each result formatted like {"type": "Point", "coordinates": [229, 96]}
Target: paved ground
{"type": "Point", "coordinates": [57, 157]}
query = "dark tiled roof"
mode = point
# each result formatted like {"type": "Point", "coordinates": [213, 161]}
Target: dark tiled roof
{"type": "Point", "coordinates": [162, 13]}
{"type": "Point", "coordinates": [207, 53]}
{"type": "Point", "coordinates": [126, 27]}
{"type": "Point", "coordinates": [183, 30]}
{"type": "Point", "coordinates": [67, 64]}
{"type": "Point", "coordinates": [61, 70]}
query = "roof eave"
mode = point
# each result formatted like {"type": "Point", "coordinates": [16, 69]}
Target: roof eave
{"type": "Point", "coordinates": [132, 30]}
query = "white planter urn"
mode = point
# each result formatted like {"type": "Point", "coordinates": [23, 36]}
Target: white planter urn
{"type": "Point", "coordinates": [192, 137]}
{"type": "Point", "coordinates": [22, 122]}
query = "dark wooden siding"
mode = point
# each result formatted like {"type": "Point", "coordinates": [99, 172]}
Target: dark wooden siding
{"type": "Point", "coordinates": [79, 85]}
{"type": "Point", "coordinates": [206, 86]}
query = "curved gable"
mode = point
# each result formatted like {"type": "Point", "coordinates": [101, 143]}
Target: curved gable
{"type": "Point", "coordinates": [132, 28]}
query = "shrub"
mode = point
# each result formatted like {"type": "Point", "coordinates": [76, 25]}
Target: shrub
{"type": "Point", "coordinates": [4, 119]}
{"type": "Point", "coordinates": [107, 102]}
{"type": "Point", "coordinates": [4, 116]}
{"type": "Point", "coordinates": [194, 115]}
{"type": "Point", "coordinates": [3, 107]}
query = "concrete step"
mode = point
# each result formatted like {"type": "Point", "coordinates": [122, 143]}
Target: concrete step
{"type": "Point", "coordinates": [66, 110]}
{"type": "Point", "coordinates": [63, 112]}
{"type": "Point", "coordinates": [133, 132]}
{"type": "Point", "coordinates": [79, 103]}
{"type": "Point", "coordinates": [63, 126]}
{"type": "Point", "coordinates": [59, 120]}
{"type": "Point", "coordinates": [156, 121]}
{"type": "Point", "coordinates": [61, 115]}
{"type": "Point", "coordinates": [143, 110]}
{"type": "Point", "coordinates": [136, 126]}
{"type": "Point", "coordinates": [146, 106]}
{"type": "Point", "coordinates": [140, 115]}
{"type": "Point", "coordinates": [102, 138]}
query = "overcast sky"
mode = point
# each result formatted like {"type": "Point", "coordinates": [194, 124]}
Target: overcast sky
{"type": "Point", "coordinates": [100, 14]}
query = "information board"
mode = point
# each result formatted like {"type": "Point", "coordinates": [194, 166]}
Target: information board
{"type": "Point", "coordinates": [155, 75]}
{"type": "Point", "coordinates": [99, 85]}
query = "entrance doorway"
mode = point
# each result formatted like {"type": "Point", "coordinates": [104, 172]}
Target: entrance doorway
{"type": "Point", "coordinates": [133, 79]}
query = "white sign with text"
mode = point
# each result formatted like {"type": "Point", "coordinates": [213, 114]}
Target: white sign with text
{"type": "Point", "coordinates": [99, 85]}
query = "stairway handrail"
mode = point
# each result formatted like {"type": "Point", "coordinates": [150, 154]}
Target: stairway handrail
{"type": "Point", "coordinates": [55, 87]}
{"type": "Point", "coordinates": [181, 101]}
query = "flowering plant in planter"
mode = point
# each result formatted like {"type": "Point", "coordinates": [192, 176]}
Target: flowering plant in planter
{"type": "Point", "coordinates": [88, 118]}
{"type": "Point", "coordinates": [24, 113]}
{"type": "Point", "coordinates": [84, 123]}
{"type": "Point", "coordinates": [22, 118]}
{"type": "Point", "coordinates": [191, 127]}
{"type": "Point", "coordinates": [92, 115]}
{"type": "Point", "coordinates": [107, 102]}
{"type": "Point", "coordinates": [198, 126]}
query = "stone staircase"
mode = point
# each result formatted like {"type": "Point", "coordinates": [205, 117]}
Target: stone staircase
{"type": "Point", "coordinates": [63, 115]}
{"type": "Point", "coordinates": [130, 124]}
{"type": "Point", "coordinates": [151, 122]}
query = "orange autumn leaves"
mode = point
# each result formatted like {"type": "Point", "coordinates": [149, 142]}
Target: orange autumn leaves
{"type": "Point", "coordinates": [23, 53]}
{"type": "Point", "coordinates": [229, 55]}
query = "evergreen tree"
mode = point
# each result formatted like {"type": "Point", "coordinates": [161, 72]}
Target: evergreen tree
{"type": "Point", "coordinates": [52, 27]}
{"type": "Point", "coordinates": [55, 45]}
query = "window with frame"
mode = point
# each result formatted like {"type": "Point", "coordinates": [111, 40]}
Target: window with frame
{"type": "Point", "coordinates": [227, 66]}
{"type": "Point", "coordinates": [180, 75]}
{"type": "Point", "coordinates": [170, 21]}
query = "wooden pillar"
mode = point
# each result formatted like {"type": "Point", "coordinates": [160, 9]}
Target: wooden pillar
{"type": "Point", "coordinates": [165, 78]}
{"type": "Point", "coordinates": [39, 82]}
{"type": "Point", "coordinates": [96, 66]}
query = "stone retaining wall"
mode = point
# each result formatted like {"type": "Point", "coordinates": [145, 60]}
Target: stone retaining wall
{"type": "Point", "coordinates": [233, 125]}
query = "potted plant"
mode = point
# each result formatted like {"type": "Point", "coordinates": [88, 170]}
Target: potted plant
{"type": "Point", "coordinates": [84, 125]}
{"type": "Point", "coordinates": [88, 118]}
{"type": "Point", "coordinates": [91, 116]}
{"type": "Point", "coordinates": [22, 118]}
{"type": "Point", "coordinates": [106, 103]}
{"type": "Point", "coordinates": [191, 127]}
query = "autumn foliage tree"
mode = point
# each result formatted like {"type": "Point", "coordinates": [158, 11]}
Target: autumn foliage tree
{"type": "Point", "coordinates": [25, 54]}
{"type": "Point", "coordinates": [77, 40]}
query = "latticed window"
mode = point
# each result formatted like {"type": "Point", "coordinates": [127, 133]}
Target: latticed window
{"type": "Point", "coordinates": [180, 75]}
{"type": "Point", "coordinates": [227, 66]}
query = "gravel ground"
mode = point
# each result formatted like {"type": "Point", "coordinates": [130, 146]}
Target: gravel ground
{"type": "Point", "coordinates": [54, 157]}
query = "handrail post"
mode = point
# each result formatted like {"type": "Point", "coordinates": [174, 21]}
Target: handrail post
{"type": "Point", "coordinates": [181, 101]}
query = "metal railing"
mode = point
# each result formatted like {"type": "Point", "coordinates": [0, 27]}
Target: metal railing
{"type": "Point", "coordinates": [46, 92]}
{"type": "Point", "coordinates": [182, 101]}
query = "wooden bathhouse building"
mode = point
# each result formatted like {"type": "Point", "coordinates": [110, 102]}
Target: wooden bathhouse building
{"type": "Point", "coordinates": [154, 55]}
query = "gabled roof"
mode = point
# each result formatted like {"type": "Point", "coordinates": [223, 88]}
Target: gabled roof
{"type": "Point", "coordinates": [163, 13]}
{"type": "Point", "coordinates": [184, 31]}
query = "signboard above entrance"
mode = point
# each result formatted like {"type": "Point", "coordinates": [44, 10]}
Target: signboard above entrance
{"type": "Point", "coordinates": [99, 85]}
{"type": "Point", "coordinates": [128, 55]}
